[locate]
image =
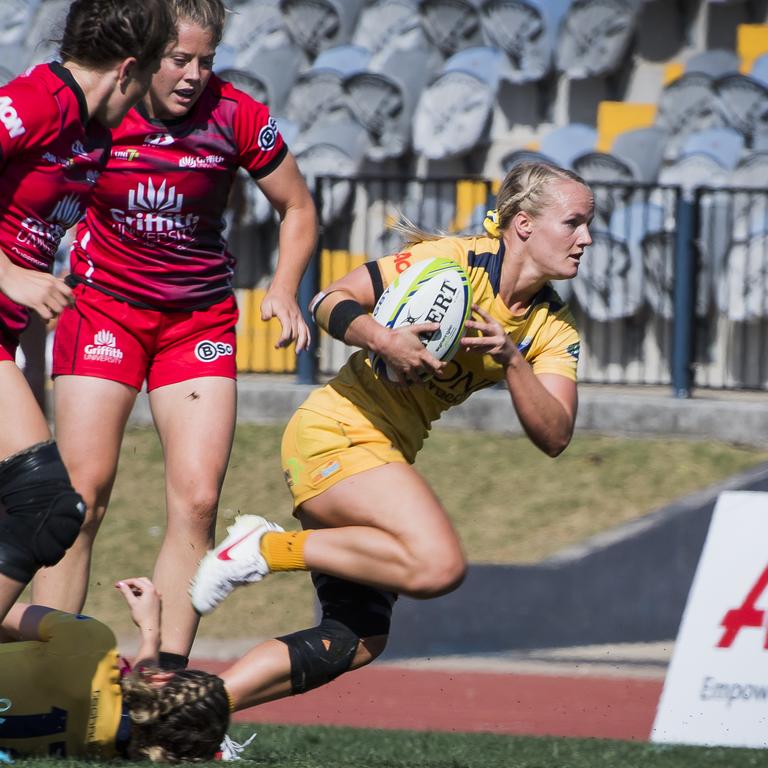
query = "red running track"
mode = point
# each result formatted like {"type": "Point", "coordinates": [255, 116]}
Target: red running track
{"type": "Point", "coordinates": [535, 705]}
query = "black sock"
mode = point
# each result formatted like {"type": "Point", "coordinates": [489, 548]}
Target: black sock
{"type": "Point", "coordinates": [167, 660]}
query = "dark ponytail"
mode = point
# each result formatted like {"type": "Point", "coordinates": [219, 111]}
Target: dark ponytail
{"type": "Point", "coordinates": [98, 33]}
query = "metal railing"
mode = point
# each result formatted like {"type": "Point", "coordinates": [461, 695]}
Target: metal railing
{"type": "Point", "coordinates": [673, 291]}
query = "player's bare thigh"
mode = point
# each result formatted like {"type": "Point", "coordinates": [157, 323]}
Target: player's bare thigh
{"type": "Point", "coordinates": [195, 420]}
{"type": "Point", "coordinates": [393, 497]}
{"type": "Point", "coordinates": [90, 416]}
{"type": "Point", "coordinates": [22, 423]}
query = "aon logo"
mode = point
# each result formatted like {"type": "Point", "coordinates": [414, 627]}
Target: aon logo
{"type": "Point", "coordinates": [10, 118]}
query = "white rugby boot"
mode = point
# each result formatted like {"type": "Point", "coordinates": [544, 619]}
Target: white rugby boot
{"type": "Point", "coordinates": [236, 561]}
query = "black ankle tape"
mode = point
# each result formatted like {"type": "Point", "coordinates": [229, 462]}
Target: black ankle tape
{"type": "Point", "coordinates": [172, 661]}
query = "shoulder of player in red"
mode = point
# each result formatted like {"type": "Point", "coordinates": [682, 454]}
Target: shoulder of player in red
{"type": "Point", "coordinates": [29, 110]}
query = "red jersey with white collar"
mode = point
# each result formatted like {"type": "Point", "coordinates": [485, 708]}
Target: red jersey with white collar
{"type": "Point", "coordinates": [50, 158]}
{"type": "Point", "coordinates": [153, 233]}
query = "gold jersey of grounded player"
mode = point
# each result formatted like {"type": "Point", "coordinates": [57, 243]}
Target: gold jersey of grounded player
{"type": "Point", "coordinates": [61, 694]}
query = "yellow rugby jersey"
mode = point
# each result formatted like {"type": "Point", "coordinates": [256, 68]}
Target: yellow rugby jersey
{"type": "Point", "coordinates": [545, 335]}
{"type": "Point", "coordinates": [60, 695]}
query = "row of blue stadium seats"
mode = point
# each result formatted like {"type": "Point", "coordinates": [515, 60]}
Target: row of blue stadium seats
{"type": "Point", "coordinates": [354, 82]}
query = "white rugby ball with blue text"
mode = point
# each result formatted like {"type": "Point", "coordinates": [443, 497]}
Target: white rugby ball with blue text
{"type": "Point", "coordinates": [435, 290]}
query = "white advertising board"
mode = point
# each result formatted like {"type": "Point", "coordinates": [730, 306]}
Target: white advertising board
{"type": "Point", "coordinates": [716, 689]}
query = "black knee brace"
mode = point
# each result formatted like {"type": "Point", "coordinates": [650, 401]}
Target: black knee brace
{"type": "Point", "coordinates": [350, 612]}
{"type": "Point", "coordinates": [43, 513]}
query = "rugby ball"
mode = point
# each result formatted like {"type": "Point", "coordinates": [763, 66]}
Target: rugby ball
{"type": "Point", "coordinates": [435, 290]}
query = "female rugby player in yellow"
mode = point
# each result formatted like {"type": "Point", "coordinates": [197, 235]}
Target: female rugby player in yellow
{"type": "Point", "coordinates": [373, 528]}
{"type": "Point", "coordinates": [62, 692]}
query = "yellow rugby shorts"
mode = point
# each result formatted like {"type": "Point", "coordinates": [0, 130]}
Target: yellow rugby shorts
{"type": "Point", "coordinates": [317, 451]}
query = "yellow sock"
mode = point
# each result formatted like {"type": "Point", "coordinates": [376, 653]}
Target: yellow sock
{"type": "Point", "coordinates": [284, 551]}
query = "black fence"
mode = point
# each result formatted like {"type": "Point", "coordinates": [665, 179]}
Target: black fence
{"type": "Point", "coordinates": [672, 292]}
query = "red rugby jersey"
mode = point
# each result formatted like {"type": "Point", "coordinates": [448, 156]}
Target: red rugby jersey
{"type": "Point", "coordinates": [153, 233]}
{"type": "Point", "coordinates": [50, 158]}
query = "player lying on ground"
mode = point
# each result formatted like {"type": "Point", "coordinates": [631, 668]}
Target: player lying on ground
{"type": "Point", "coordinates": [68, 693]}
{"type": "Point", "coordinates": [373, 528]}
{"type": "Point", "coordinates": [54, 143]}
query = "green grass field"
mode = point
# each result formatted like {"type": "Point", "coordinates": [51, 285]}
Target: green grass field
{"type": "Point", "coordinates": [317, 747]}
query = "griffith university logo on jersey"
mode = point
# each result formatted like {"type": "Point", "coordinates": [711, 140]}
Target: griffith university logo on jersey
{"type": "Point", "coordinates": [154, 214]}
{"type": "Point", "coordinates": [104, 348]}
{"type": "Point", "coordinates": [46, 235]}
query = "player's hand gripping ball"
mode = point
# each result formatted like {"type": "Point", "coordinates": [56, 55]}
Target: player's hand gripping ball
{"type": "Point", "coordinates": [436, 290]}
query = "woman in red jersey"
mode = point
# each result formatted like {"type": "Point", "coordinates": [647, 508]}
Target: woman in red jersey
{"type": "Point", "coordinates": [54, 142]}
{"type": "Point", "coordinates": [155, 303]}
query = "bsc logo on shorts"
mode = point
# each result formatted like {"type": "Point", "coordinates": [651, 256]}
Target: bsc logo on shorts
{"type": "Point", "coordinates": [208, 351]}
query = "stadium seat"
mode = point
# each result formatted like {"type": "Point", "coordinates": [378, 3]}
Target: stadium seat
{"type": "Point", "coordinates": [453, 113]}
{"type": "Point", "coordinates": [247, 82]}
{"type": "Point", "coordinates": [517, 156]}
{"type": "Point", "coordinates": [452, 25]}
{"type": "Point", "coordinates": [595, 36]}
{"type": "Point", "coordinates": [609, 284]}
{"type": "Point", "coordinates": [714, 63]}
{"type": "Point", "coordinates": [642, 150]}
{"type": "Point", "coordinates": [751, 43]}
{"type": "Point", "coordinates": [568, 142]}
{"type": "Point", "coordinates": [759, 70]}
{"type": "Point", "coordinates": [388, 24]}
{"type": "Point", "coordinates": [751, 172]}
{"type": "Point", "coordinates": [13, 59]}
{"type": "Point", "coordinates": [617, 117]}
{"type": "Point", "coordinates": [631, 223]}
{"type": "Point", "coordinates": [601, 169]}
{"type": "Point", "coordinates": [333, 146]}
{"type": "Point", "coordinates": [687, 105]}
{"type": "Point", "coordinates": [268, 76]}
{"type": "Point", "coordinates": [658, 250]}
{"type": "Point", "coordinates": [17, 21]}
{"type": "Point", "coordinates": [319, 24]}
{"type": "Point", "coordinates": [49, 16]}
{"type": "Point", "coordinates": [385, 95]}
{"type": "Point", "coordinates": [252, 26]}
{"type": "Point", "coordinates": [320, 89]}
{"type": "Point", "coordinates": [744, 103]}
{"type": "Point", "coordinates": [743, 285]}
{"type": "Point", "coordinates": [725, 145]}
{"type": "Point", "coordinates": [696, 169]}
{"type": "Point", "coordinates": [526, 30]}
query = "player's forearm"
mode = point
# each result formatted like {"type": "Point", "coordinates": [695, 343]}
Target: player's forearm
{"type": "Point", "coordinates": [6, 267]}
{"type": "Point", "coordinates": [149, 647]}
{"type": "Point", "coordinates": [362, 331]}
{"type": "Point", "coordinates": [297, 242]}
{"type": "Point", "coordinates": [542, 416]}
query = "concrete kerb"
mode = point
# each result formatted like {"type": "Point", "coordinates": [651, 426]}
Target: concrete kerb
{"type": "Point", "coordinates": [729, 417]}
